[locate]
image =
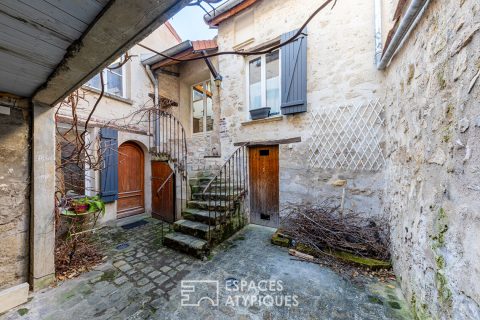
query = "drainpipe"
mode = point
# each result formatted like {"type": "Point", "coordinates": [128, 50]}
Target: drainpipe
{"type": "Point", "coordinates": [156, 120]}
{"type": "Point", "coordinates": [378, 32]}
{"type": "Point", "coordinates": [412, 16]}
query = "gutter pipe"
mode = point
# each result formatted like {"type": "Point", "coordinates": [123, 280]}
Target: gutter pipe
{"type": "Point", "coordinates": [156, 121]}
{"type": "Point", "coordinates": [412, 16]}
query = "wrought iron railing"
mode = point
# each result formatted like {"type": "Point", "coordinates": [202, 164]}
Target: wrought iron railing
{"type": "Point", "coordinates": [227, 189]}
{"type": "Point", "coordinates": [170, 145]}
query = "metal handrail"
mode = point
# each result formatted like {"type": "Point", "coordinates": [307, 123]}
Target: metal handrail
{"type": "Point", "coordinates": [230, 185]}
{"type": "Point", "coordinates": [171, 140]}
{"type": "Point", "coordinates": [223, 167]}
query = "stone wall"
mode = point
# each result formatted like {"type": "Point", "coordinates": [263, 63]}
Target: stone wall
{"type": "Point", "coordinates": [14, 193]}
{"type": "Point", "coordinates": [433, 164]}
{"type": "Point", "coordinates": [346, 32]}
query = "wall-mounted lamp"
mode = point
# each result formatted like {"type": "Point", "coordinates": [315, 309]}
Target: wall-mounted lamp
{"type": "Point", "coordinates": [216, 76]}
{"type": "Point", "coordinates": [218, 81]}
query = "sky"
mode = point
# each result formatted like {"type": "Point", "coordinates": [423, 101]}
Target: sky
{"type": "Point", "coordinates": [190, 25]}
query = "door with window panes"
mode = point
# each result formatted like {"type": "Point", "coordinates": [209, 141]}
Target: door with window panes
{"type": "Point", "coordinates": [202, 107]}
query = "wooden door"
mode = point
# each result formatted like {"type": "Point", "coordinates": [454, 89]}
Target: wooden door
{"type": "Point", "coordinates": [264, 185]}
{"type": "Point", "coordinates": [131, 192]}
{"type": "Point", "coordinates": [163, 200]}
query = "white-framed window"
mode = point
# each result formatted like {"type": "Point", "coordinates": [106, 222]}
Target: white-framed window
{"type": "Point", "coordinates": [202, 107]}
{"type": "Point", "coordinates": [114, 80]}
{"type": "Point", "coordinates": [264, 83]}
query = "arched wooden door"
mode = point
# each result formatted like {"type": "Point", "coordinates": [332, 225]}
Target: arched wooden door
{"type": "Point", "coordinates": [131, 187]}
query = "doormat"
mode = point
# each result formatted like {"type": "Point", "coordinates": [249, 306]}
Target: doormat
{"type": "Point", "coordinates": [135, 224]}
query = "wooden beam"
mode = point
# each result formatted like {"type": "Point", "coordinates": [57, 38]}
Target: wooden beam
{"type": "Point", "coordinates": [116, 29]}
{"type": "Point", "coordinates": [269, 142]}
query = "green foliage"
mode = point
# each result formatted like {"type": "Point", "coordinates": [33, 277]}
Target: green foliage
{"type": "Point", "coordinates": [22, 311]}
{"type": "Point", "coordinates": [95, 204]}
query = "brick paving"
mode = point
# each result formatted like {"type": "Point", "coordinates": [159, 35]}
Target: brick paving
{"type": "Point", "coordinates": [142, 281]}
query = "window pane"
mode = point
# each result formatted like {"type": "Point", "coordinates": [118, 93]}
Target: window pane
{"type": "Point", "coordinates": [209, 96]}
{"type": "Point", "coordinates": [255, 83]}
{"type": "Point", "coordinates": [94, 82]}
{"type": "Point", "coordinates": [273, 81]}
{"type": "Point", "coordinates": [71, 176]}
{"type": "Point", "coordinates": [197, 108]}
{"type": "Point", "coordinates": [114, 82]}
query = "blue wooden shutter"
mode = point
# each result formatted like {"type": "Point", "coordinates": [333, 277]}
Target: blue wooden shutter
{"type": "Point", "coordinates": [294, 74]}
{"type": "Point", "coordinates": [109, 172]}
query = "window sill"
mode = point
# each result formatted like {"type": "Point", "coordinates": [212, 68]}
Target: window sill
{"type": "Point", "coordinates": [266, 120]}
{"type": "Point", "coordinates": [107, 95]}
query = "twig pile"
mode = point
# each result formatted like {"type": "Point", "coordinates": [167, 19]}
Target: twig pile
{"type": "Point", "coordinates": [326, 227]}
{"type": "Point", "coordinates": [68, 266]}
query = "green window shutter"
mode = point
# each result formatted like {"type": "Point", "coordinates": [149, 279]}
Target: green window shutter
{"type": "Point", "coordinates": [294, 74]}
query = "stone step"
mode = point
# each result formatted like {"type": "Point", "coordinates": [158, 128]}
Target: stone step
{"type": "Point", "coordinates": [195, 229]}
{"type": "Point", "coordinates": [187, 244]}
{"type": "Point", "coordinates": [216, 196]}
{"type": "Point", "coordinates": [203, 216]}
{"type": "Point", "coordinates": [198, 181]}
{"type": "Point", "coordinates": [215, 188]}
{"type": "Point", "coordinates": [206, 205]}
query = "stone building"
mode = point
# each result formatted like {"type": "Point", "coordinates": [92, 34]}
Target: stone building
{"type": "Point", "coordinates": [375, 104]}
{"type": "Point", "coordinates": [48, 51]}
{"type": "Point", "coordinates": [124, 110]}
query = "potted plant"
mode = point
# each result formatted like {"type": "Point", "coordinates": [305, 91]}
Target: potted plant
{"type": "Point", "coordinates": [260, 113]}
{"type": "Point", "coordinates": [87, 205]}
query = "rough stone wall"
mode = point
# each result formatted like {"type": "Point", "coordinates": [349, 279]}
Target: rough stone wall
{"type": "Point", "coordinates": [341, 71]}
{"type": "Point", "coordinates": [14, 196]}
{"type": "Point", "coordinates": [433, 165]}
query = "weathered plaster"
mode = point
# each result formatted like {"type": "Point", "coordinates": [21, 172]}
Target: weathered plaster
{"type": "Point", "coordinates": [433, 172]}
{"type": "Point", "coordinates": [14, 194]}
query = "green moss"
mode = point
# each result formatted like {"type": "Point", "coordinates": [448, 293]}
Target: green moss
{"type": "Point", "coordinates": [22, 311]}
{"type": "Point", "coordinates": [305, 249]}
{"type": "Point", "coordinates": [442, 83]}
{"type": "Point", "coordinates": [444, 293]}
{"type": "Point", "coordinates": [394, 305]}
{"type": "Point", "coordinates": [411, 73]}
{"type": "Point", "coordinates": [362, 261]}
{"type": "Point", "coordinates": [375, 299]}
{"type": "Point", "coordinates": [280, 241]}
{"type": "Point", "coordinates": [108, 275]}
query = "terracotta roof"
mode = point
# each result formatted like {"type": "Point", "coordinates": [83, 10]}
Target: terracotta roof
{"type": "Point", "coordinates": [185, 50]}
{"type": "Point", "coordinates": [204, 45]}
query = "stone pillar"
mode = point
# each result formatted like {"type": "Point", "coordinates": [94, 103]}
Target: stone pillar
{"type": "Point", "coordinates": [42, 238]}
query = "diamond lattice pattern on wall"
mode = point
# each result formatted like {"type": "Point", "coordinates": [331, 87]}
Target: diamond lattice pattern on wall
{"type": "Point", "coordinates": [348, 137]}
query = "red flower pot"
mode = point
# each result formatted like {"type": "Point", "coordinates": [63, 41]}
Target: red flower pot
{"type": "Point", "coordinates": [80, 208]}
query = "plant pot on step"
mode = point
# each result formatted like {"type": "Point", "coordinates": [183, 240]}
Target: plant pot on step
{"type": "Point", "coordinates": [260, 113]}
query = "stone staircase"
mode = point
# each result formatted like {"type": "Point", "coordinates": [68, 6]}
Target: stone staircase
{"type": "Point", "coordinates": [209, 218]}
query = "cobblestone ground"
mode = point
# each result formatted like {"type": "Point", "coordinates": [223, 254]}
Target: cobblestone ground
{"type": "Point", "coordinates": [143, 281]}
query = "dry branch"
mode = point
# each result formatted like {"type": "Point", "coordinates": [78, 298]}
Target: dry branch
{"type": "Point", "coordinates": [324, 228]}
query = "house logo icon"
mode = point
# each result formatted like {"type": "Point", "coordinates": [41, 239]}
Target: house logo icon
{"type": "Point", "coordinates": [193, 292]}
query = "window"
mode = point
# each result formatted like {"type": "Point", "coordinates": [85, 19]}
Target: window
{"type": "Point", "coordinates": [202, 107]}
{"type": "Point", "coordinates": [71, 176]}
{"type": "Point", "coordinates": [114, 80]}
{"type": "Point", "coordinates": [264, 82]}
